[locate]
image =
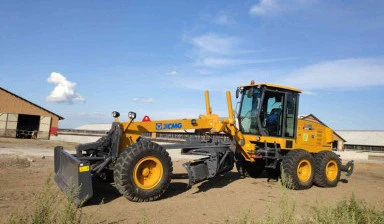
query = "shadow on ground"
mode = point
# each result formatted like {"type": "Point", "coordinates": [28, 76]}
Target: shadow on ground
{"type": "Point", "coordinates": [104, 192]}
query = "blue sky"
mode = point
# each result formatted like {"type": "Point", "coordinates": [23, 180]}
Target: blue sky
{"type": "Point", "coordinates": [84, 59]}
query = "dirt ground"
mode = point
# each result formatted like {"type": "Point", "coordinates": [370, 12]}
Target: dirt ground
{"type": "Point", "coordinates": [226, 197]}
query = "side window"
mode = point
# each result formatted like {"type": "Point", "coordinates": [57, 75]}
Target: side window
{"type": "Point", "coordinates": [291, 116]}
{"type": "Point", "coordinates": [249, 106]}
{"type": "Point", "coordinates": [271, 114]}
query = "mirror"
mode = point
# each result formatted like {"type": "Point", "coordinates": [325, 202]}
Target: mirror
{"type": "Point", "coordinates": [237, 92]}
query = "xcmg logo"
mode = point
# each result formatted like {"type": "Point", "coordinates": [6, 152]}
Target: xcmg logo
{"type": "Point", "coordinates": [161, 126]}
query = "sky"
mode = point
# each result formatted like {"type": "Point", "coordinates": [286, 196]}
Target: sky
{"type": "Point", "coordinates": [84, 59]}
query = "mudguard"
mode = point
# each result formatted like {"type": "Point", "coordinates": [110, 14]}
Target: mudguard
{"type": "Point", "coordinates": [348, 168]}
{"type": "Point", "coordinates": [73, 176]}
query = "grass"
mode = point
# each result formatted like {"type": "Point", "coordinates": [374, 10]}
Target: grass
{"type": "Point", "coordinates": [346, 211]}
{"type": "Point", "coordinates": [49, 206]}
{"type": "Point", "coordinates": [15, 162]}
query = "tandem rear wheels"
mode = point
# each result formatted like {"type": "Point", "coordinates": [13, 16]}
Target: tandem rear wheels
{"type": "Point", "coordinates": [300, 169]}
{"type": "Point", "coordinates": [143, 171]}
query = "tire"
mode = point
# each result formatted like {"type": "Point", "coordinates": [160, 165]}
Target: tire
{"type": "Point", "coordinates": [143, 171]}
{"type": "Point", "coordinates": [327, 169]}
{"type": "Point", "coordinates": [250, 169]}
{"type": "Point", "coordinates": [297, 170]}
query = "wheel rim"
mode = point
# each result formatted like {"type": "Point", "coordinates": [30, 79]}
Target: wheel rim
{"type": "Point", "coordinates": [304, 170]}
{"type": "Point", "coordinates": [148, 172]}
{"type": "Point", "coordinates": [331, 170]}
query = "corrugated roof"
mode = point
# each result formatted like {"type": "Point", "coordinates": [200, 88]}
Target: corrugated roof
{"type": "Point", "coordinates": [60, 117]}
{"type": "Point", "coordinates": [360, 137]}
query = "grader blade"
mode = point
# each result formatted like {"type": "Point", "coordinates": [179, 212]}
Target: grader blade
{"type": "Point", "coordinates": [73, 176]}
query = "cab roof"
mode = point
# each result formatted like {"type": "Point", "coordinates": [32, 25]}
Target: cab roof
{"type": "Point", "coordinates": [273, 86]}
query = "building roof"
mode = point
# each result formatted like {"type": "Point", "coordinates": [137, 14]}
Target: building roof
{"type": "Point", "coordinates": [60, 117]}
{"type": "Point", "coordinates": [359, 137]}
{"type": "Point", "coordinates": [95, 127]}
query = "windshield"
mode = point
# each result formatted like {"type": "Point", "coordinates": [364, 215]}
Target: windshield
{"type": "Point", "coordinates": [248, 111]}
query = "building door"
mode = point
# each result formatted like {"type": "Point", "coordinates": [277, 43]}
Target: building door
{"type": "Point", "coordinates": [45, 125]}
{"type": "Point", "coordinates": [335, 145]}
{"type": "Point", "coordinates": [27, 125]}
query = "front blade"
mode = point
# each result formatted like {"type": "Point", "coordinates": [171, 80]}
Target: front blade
{"type": "Point", "coordinates": [73, 176]}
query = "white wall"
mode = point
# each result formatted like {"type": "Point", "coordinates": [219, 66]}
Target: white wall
{"type": "Point", "coordinates": [75, 138]}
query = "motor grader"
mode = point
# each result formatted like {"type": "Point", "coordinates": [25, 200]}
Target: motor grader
{"type": "Point", "coordinates": [264, 134]}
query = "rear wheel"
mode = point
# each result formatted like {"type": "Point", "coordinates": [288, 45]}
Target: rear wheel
{"type": "Point", "coordinates": [327, 169]}
{"type": "Point", "coordinates": [297, 170]}
{"type": "Point", "coordinates": [143, 171]}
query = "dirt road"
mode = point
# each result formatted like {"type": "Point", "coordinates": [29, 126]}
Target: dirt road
{"type": "Point", "coordinates": [226, 197]}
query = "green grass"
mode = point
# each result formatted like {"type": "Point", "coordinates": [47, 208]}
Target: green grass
{"type": "Point", "coordinates": [49, 206]}
{"type": "Point", "coordinates": [346, 211]}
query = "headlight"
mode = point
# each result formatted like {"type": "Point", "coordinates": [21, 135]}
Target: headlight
{"type": "Point", "coordinates": [115, 114]}
{"type": "Point", "coordinates": [132, 115]}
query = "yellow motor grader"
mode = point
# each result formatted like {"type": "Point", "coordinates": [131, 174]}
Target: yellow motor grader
{"type": "Point", "coordinates": [265, 134]}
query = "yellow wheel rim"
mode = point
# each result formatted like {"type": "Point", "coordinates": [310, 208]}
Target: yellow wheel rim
{"type": "Point", "coordinates": [148, 172]}
{"type": "Point", "coordinates": [304, 170]}
{"type": "Point", "coordinates": [331, 170]}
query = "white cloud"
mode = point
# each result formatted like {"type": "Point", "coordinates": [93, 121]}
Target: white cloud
{"type": "Point", "coordinates": [216, 62]}
{"type": "Point", "coordinates": [172, 73]}
{"type": "Point", "coordinates": [142, 100]}
{"type": "Point", "coordinates": [213, 43]}
{"type": "Point", "coordinates": [100, 114]}
{"type": "Point", "coordinates": [309, 93]}
{"type": "Point", "coordinates": [214, 50]}
{"type": "Point", "coordinates": [275, 7]}
{"type": "Point", "coordinates": [264, 7]}
{"type": "Point", "coordinates": [339, 74]}
{"type": "Point", "coordinates": [64, 91]}
{"type": "Point", "coordinates": [223, 19]}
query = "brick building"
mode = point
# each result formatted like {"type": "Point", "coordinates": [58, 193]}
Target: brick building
{"type": "Point", "coordinates": [23, 119]}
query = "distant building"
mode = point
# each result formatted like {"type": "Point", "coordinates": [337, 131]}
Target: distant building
{"type": "Point", "coordinates": [363, 140]}
{"type": "Point", "coordinates": [95, 127]}
{"type": "Point", "coordinates": [20, 118]}
{"type": "Point", "coordinates": [338, 143]}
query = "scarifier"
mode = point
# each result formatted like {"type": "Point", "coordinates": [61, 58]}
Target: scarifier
{"type": "Point", "coordinates": [265, 135]}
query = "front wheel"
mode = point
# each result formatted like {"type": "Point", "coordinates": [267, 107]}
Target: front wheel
{"type": "Point", "coordinates": [143, 171]}
{"type": "Point", "coordinates": [297, 170]}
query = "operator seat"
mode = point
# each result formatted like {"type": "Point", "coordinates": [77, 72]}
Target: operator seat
{"type": "Point", "coordinates": [273, 122]}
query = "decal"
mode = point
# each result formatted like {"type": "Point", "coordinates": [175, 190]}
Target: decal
{"type": "Point", "coordinates": [168, 126]}
{"type": "Point", "coordinates": [83, 169]}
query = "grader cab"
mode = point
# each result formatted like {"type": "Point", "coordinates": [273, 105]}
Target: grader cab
{"type": "Point", "coordinates": [265, 135]}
